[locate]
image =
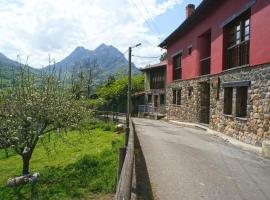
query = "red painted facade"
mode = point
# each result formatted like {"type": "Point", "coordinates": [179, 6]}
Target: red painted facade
{"type": "Point", "coordinates": [207, 39]}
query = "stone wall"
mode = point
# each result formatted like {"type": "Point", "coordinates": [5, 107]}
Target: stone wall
{"type": "Point", "coordinates": [190, 105]}
{"type": "Point", "coordinates": [253, 129]}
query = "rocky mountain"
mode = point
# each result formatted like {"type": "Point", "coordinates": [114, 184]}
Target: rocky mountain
{"type": "Point", "coordinates": [109, 59]}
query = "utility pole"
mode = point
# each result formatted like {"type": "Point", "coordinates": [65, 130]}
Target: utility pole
{"type": "Point", "coordinates": [129, 85]}
{"type": "Point", "coordinates": [129, 91]}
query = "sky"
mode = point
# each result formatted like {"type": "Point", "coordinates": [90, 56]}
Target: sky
{"type": "Point", "coordinates": [35, 29]}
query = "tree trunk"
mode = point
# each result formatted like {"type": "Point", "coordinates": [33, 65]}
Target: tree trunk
{"type": "Point", "coordinates": [6, 152]}
{"type": "Point", "coordinates": [26, 161]}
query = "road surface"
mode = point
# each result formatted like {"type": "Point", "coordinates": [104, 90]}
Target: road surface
{"type": "Point", "coordinates": [185, 163]}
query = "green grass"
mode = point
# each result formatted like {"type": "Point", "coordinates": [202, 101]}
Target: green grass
{"type": "Point", "coordinates": [74, 165]}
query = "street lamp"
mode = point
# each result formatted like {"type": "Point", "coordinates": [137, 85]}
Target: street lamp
{"type": "Point", "coordinates": [129, 90]}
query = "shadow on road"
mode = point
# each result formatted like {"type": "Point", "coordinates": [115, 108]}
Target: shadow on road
{"type": "Point", "coordinates": [143, 185]}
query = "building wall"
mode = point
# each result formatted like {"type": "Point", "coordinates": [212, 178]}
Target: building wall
{"type": "Point", "coordinates": [260, 32]}
{"type": "Point", "coordinates": [252, 129]}
{"type": "Point", "coordinates": [259, 44]}
{"type": "Point", "coordinates": [256, 126]}
{"type": "Point", "coordinates": [154, 92]}
{"type": "Point", "coordinates": [190, 105]}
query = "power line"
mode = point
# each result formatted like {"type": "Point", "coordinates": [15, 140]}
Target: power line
{"type": "Point", "coordinates": [150, 57]}
{"type": "Point", "coordinates": [150, 16]}
{"type": "Point", "coordinates": [117, 58]}
{"type": "Point", "coordinates": [143, 16]}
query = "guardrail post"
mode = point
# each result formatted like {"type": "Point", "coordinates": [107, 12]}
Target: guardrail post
{"type": "Point", "coordinates": [127, 136]}
{"type": "Point", "coordinates": [122, 155]}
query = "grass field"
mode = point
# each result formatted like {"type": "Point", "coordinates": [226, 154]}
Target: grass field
{"type": "Point", "coordinates": [73, 165]}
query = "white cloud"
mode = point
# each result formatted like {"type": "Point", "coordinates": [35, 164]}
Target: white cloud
{"type": "Point", "coordinates": [38, 28]}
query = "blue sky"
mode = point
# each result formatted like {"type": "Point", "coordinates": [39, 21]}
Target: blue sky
{"type": "Point", "coordinates": [39, 28]}
{"type": "Point", "coordinates": [170, 20]}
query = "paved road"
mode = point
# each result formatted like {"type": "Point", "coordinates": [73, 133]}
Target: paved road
{"type": "Point", "coordinates": [185, 163]}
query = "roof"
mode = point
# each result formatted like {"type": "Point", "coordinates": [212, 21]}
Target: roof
{"type": "Point", "coordinates": [203, 10]}
{"type": "Point", "coordinates": [162, 64]}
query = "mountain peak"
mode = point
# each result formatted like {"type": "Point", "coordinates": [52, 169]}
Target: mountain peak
{"type": "Point", "coordinates": [79, 48]}
{"type": "Point", "coordinates": [102, 46]}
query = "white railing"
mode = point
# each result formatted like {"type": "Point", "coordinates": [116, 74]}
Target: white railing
{"type": "Point", "coordinates": [149, 109]}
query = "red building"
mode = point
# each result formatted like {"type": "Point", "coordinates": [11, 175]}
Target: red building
{"type": "Point", "coordinates": [218, 69]}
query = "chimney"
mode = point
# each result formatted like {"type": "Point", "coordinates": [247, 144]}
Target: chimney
{"type": "Point", "coordinates": [190, 10]}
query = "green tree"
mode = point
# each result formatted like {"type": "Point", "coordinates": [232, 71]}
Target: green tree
{"type": "Point", "coordinates": [163, 57]}
{"type": "Point", "coordinates": [34, 108]}
{"type": "Point", "coordinates": [114, 95]}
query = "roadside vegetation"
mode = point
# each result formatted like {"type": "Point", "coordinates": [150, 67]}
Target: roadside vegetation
{"type": "Point", "coordinates": [51, 144]}
{"type": "Point", "coordinates": [72, 165]}
{"type": "Point", "coordinates": [112, 95]}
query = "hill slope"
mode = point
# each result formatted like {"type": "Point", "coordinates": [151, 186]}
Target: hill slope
{"type": "Point", "coordinates": [9, 69]}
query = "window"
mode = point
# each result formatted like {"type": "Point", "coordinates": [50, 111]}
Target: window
{"type": "Point", "coordinates": [149, 99]}
{"type": "Point", "coordinates": [190, 90]}
{"type": "Point", "coordinates": [237, 41]}
{"type": "Point", "coordinates": [189, 50]}
{"type": "Point", "coordinates": [228, 100]}
{"type": "Point", "coordinates": [162, 99]}
{"type": "Point", "coordinates": [178, 101]}
{"type": "Point", "coordinates": [247, 30]}
{"type": "Point", "coordinates": [176, 97]}
{"type": "Point", "coordinates": [238, 32]}
{"type": "Point", "coordinates": [241, 101]}
{"type": "Point", "coordinates": [177, 67]}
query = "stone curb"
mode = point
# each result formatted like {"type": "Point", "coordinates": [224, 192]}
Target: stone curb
{"type": "Point", "coordinates": [235, 142]}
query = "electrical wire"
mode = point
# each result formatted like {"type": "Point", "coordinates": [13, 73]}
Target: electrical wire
{"type": "Point", "coordinates": [140, 12]}
{"type": "Point", "coordinates": [150, 57]}
{"type": "Point", "coordinates": [118, 58]}
{"type": "Point", "coordinates": [150, 16]}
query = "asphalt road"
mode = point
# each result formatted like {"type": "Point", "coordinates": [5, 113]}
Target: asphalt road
{"type": "Point", "coordinates": [185, 163]}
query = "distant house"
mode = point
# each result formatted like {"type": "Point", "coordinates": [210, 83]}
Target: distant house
{"type": "Point", "coordinates": [155, 92]}
{"type": "Point", "coordinates": [218, 69]}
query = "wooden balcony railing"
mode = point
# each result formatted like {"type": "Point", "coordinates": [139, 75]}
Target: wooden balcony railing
{"type": "Point", "coordinates": [205, 65]}
{"type": "Point", "coordinates": [237, 55]}
{"type": "Point", "coordinates": [157, 84]}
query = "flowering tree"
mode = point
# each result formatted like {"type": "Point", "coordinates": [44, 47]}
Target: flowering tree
{"type": "Point", "coordinates": [33, 108]}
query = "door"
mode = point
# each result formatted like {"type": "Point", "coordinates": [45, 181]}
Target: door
{"type": "Point", "coordinates": [155, 103]}
{"type": "Point", "coordinates": [205, 103]}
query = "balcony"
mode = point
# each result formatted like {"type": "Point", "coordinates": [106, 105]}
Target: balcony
{"type": "Point", "coordinates": [205, 65]}
{"type": "Point", "coordinates": [158, 84]}
{"type": "Point", "coordinates": [237, 55]}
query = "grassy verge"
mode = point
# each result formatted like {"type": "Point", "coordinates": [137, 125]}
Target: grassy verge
{"type": "Point", "coordinates": [73, 165]}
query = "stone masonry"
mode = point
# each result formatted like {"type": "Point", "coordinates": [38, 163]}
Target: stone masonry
{"type": "Point", "coordinates": [253, 129]}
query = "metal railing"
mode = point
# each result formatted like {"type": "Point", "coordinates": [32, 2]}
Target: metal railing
{"type": "Point", "coordinates": [205, 65]}
{"type": "Point", "coordinates": [149, 109]}
{"type": "Point", "coordinates": [146, 109]}
{"type": "Point", "coordinates": [124, 187]}
{"type": "Point", "coordinates": [237, 55]}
